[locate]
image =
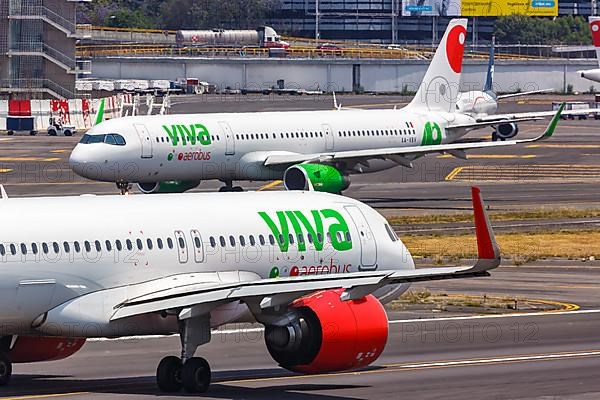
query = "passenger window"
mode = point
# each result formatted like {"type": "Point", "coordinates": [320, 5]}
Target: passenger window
{"type": "Point", "coordinates": [108, 245]}
{"type": "Point", "coordinates": [232, 241]}
{"type": "Point", "coordinates": [23, 248]}
{"type": "Point", "coordinates": [252, 242]}
{"type": "Point", "coordinates": [329, 237]}
{"type": "Point", "coordinates": [98, 247]}
{"type": "Point", "coordinates": [320, 237]}
{"type": "Point", "coordinates": [170, 243]}
{"type": "Point", "coordinates": [213, 242]}
{"type": "Point", "coordinates": [338, 235]}
{"type": "Point", "coordinates": [159, 243]}
{"type": "Point", "coordinates": [87, 246]}
{"type": "Point", "coordinates": [56, 247]}
{"type": "Point", "coordinates": [76, 245]}
{"type": "Point", "coordinates": [67, 247]}
{"type": "Point", "coordinates": [242, 241]}
{"type": "Point", "coordinates": [45, 247]}
{"type": "Point", "coordinates": [261, 240]}
{"type": "Point", "coordinates": [309, 237]}
{"type": "Point", "coordinates": [181, 242]}
{"type": "Point", "coordinates": [281, 239]}
{"type": "Point", "coordinates": [34, 248]}
{"type": "Point", "coordinates": [129, 245]}
{"type": "Point", "coordinates": [149, 243]}
{"type": "Point", "coordinates": [222, 241]}
{"type": "Point", "coordinates": [291, 237]}
{"type": "Point", "coordinates": [13, 249]}
{"type": "Point", "coordinates": [300, 238]}
{"type": "Point", "coordinates": [348, 237]}
{"type": "Point", "coordinates": [197, 243]}
{"type": "Point", "coordinates": [272, 240]}
{"type": "Point", "coordinates": [2, 250]}
{"type": "Point", "coordinates": [138, 242]}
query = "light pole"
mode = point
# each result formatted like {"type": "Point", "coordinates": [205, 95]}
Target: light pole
{"type": "Point", "coordinates": [317, 17]}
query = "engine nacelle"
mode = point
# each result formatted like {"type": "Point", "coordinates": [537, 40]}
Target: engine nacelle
{"type": "Point", "coordinates": [507, 131]}
{"type": "Point", "coordinates": [325, 334]}
{"type": "Point", "coordinates": [32, 349]}
{"type": "Point", "coordinates": [322, 178]}
{"type": "Point", "coordinates": [167, 186]}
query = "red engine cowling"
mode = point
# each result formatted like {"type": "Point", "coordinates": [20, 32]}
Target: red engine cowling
{"type": "Point", "coordinates": [31, 349]}
{"type": "Point", "coordinates": [325, 334]}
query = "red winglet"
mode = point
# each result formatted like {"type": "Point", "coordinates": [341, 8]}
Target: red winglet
{"type": "Point", "coordinates": [487, 248]}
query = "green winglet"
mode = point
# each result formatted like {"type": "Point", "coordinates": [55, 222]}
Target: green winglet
{"type": "Point", "coordinates": [100, 113]}
{"type": "Point", "coordinates": [552, 126]}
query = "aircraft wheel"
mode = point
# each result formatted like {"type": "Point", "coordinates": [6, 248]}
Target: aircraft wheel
{"type": "Point", "coordinates": [494, 136]}
{"type": "Point", "coordinates": [196, 375]}
{"type": "Point", "coordinates": [238, 189]}
{"type": "Point", "coordinates": [225, 189]}
{"type": "Point", "coordinates": [5, 369]}
{"type": "Point", "coordinates": [168, 374]}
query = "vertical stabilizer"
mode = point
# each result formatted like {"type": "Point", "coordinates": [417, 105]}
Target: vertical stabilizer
{"type": "Point", "coordinates": [440, 86]}
{"type": "Point", "coordinates": [489, 80]}
{"type": "Point", "coordinates": [595, 28]}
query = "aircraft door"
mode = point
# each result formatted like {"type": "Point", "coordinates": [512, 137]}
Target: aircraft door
{"type": "Point", "coordinates": [229, 138]}
{"type": "Point", "coordinates": [367, 242]}
{"type": "Point", "coordinates": [328, 137]}
{"type": "Point", "coordinates": [181, 247]}
{"type": "Point", "coordinates": [145, 140]}
{"type": "Point", "coordinates": [198, 246]}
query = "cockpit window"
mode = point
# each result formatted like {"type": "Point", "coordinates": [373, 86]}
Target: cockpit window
{"type": "Point", "coordinates": [111, 138]}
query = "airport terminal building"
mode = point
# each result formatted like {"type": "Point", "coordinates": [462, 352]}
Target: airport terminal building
{"type": "Point", "coordinates": [381, 20]}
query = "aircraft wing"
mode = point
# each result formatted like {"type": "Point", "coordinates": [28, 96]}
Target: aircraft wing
{"type": "Point", "coordinates": [397, 153]}
{"type": "Point", "coordinates": [532, 116]}
{"type": "Point", "coordinates": [511, 95]}
{"type": "Point", "coordinates": [194, 299]}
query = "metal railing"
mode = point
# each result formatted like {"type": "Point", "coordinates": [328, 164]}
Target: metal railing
{"type": "Point", "coordinates": [26, 10]}
{"type": "Point", "coordinates": [36, 84]}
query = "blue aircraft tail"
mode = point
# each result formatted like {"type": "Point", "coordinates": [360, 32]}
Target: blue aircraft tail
{"type": "Point", "coordinates": [489, 81]}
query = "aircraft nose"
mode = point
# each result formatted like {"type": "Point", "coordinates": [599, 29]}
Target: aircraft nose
{"type": "Point", "coordinates": [82, 163]}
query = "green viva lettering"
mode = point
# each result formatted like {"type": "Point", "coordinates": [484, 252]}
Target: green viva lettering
{"type": "Point", "coordinates": [188, 134]}
{"type": "Point", "coordinates": [432, 134]}
{"type": "Point", "coordinates": [314, 226]}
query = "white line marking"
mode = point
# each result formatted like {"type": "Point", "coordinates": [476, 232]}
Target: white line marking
{"type": "Point", "coordinates": [396, 321]}
{"type": "Point", "coordinates": [499, 359]}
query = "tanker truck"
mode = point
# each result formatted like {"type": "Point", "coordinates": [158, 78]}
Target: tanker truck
{"type": "Point", "coordinates": [262, 37]}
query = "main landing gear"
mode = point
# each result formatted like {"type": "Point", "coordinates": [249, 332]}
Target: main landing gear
{"type": "Point", "coordinates": [5, 369]}
{"type": "Point", "coordinates": [188, 372]}
{"type": "Point", "coordinates": [124, 187]}
{"type": "Point", "coordinates": [230, 188]}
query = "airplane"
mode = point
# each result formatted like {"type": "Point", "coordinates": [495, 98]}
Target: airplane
{"type": "Point", "coordinates": [307, 149]}
{"type": "Point", "coordinates": [297, 262]}
{"type": "Point", "coordinates": [480, 104]}
{"type": "Point", "coordinates": [593, 74]}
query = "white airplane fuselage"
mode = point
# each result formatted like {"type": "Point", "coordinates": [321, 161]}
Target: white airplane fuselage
{"type": "Point", "coordinates": [67, 262]}
{"type": "Point", "coordinates": [476, 102]}
{"type": "Point", "coordinates": [591, 74]}
{"type": "Point", "coordinates": [233, 146]}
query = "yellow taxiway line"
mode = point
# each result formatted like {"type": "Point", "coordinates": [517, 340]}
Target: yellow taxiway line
{"type": "Point", "coordinates": [563, 146]}
{"type": "Point", "coordinates": [492, 156]}
{"type": "Point", "coordinates": [269, 185]}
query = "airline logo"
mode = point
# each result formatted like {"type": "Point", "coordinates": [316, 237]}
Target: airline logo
{"type": "Point", "coordinates": [315, 224]}
{"type": "Point", "coordinates": [432, 134]}
{"type": "Point", "coordinates": [183, 135]}
{"type": "Point", "coordinates": [595, 28]}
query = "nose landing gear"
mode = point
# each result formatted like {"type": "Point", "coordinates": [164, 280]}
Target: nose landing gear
{"type": "Point", "coordinates": [5, 369]}
{"type": "Point", "coordinates": [124, 187]}
{"type": "Point", "coordinates": [230, 188]}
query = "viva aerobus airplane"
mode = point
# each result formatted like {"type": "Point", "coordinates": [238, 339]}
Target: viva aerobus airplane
{"type": "Point", "coordinates": [314, 268]}
{"type": "Point", "coordinates": [307, 149]}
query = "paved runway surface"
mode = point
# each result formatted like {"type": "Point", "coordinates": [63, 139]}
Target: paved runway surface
{"type": "Point", "coordinates": [537, 356]}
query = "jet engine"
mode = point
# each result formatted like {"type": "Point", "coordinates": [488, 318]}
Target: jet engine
{"type": "Point", "coordinates": [167, 186]}
{"type": "Point", "coordinates": [506, 131]}
{"type": "Point", "coordinates": [322, 178]}
{"type": "Point", "coordinates": [322, 333]}
{"type": "Point", "coordinates": [31, 349]}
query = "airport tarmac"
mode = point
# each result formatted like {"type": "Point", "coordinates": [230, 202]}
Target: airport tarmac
{"type": "Point", "coordinates": [564, 171]}
{"type": "Point", "coordinates": [542, 355]}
